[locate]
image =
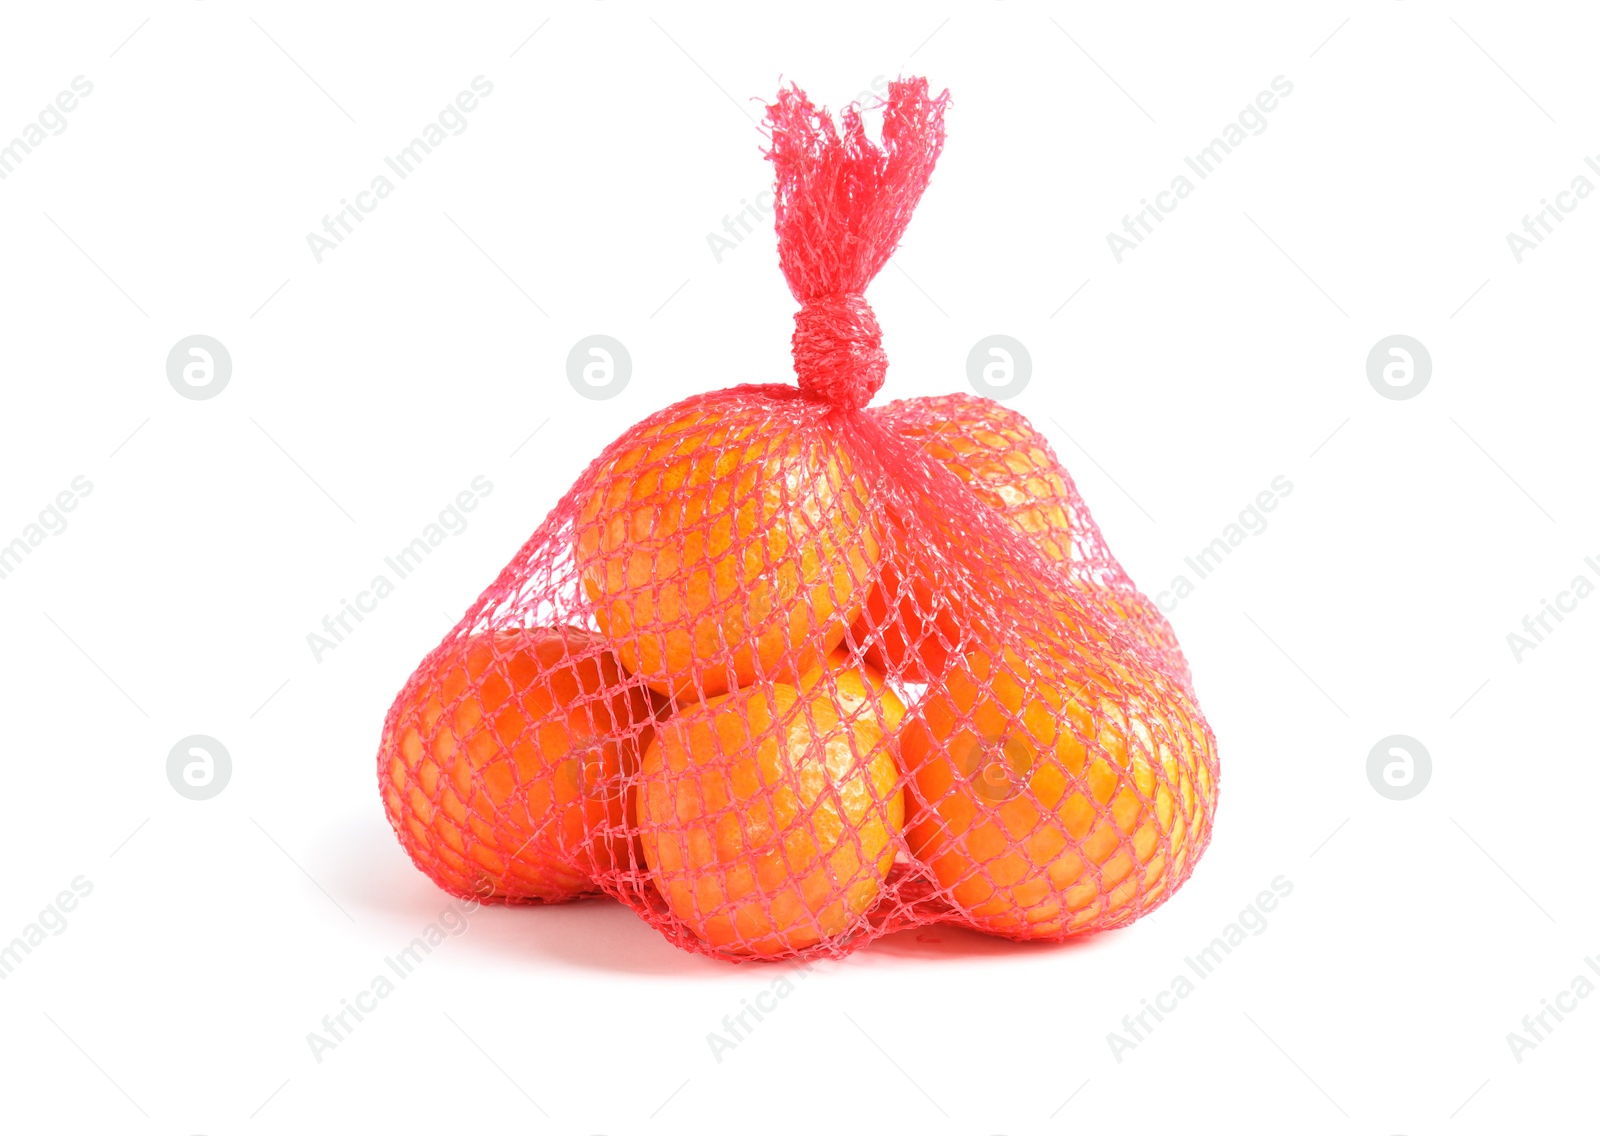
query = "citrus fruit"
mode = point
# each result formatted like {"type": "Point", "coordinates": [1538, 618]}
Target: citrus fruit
{"type": "Point", "coordinates": [1007, 464]}
{"type": "Point", "coordinates": [502, 768]}
{"type": "Point", "coordinates": [1055, 795]}
{"type": "Point", "coordinates": [769, 823]}
{"type": "Point", "coordinates": [724, 540]}
{"type": "Point", "coordinates": [909, 626]}
{"type": "Point", "coordinates": [905, 626]}
{"type": "Point", "coordinates": [858, 692]}
{"type": "Point", "coordinates": [912, 628]}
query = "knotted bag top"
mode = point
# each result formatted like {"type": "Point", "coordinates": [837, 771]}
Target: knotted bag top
{"type": "Point", "coordinates": [842, 205]}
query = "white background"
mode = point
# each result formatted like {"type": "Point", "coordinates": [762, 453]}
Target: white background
{"type": "Point", "coordinates": [369, 389]}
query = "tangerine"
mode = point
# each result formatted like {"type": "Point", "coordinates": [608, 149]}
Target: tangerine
{"type": "Point", "coordinates": [725, 541]}
{"type": "Point", "coordinates": [858, 691]}
{"type": "Point", "coordinates": [1007, 464]}
{"type": "Point", "coordinates": [502, 770]}
{"type": "Point", "coordinates": [911, 630]}
{"type": "Point", "coordinates": [1057, 795]}
{"type": "Point", "coordinates": [768, 821]}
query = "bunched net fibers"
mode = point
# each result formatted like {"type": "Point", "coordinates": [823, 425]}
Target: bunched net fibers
{"type": "Point", "coordinates": [784, 673]}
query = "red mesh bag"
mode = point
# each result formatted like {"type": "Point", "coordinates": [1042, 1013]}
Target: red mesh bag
{"type": "Point", "coordinates": [785, 674]}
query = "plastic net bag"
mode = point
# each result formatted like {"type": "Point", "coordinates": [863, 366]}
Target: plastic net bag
{"type": "Point", "coordinates": [785, 674]}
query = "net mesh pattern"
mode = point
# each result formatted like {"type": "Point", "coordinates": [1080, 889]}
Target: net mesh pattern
{"type": "Point", "coordinates": [784, 674]}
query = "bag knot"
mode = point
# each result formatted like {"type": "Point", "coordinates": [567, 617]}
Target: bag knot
{"type": "Point", "coordinates": [838, 350]}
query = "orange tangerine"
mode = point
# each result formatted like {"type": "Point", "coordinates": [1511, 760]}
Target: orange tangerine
{"type": "Point", "coordinates": [1009, 466]}
{"type": "Point", "coordinates": [769, 823]}
{"type": "Point", "coordinates": [1006, 463]}
{"type": "Point", "coordinates": [724, 541]}
{"type": "Point", "coordinates": [907, 626]}
{"type": "Point", "coordinates": [858, 692]}
{"type": "Point", "coordinates": [1053, 795]}
{"type": "Point", "coordinates": [502, 770]}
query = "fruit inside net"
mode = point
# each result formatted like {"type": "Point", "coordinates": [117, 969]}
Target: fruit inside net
{"type": "Point", "coordinates": [784, 673]}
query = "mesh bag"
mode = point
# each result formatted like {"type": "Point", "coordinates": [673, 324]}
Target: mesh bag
{"type": "Point", "coordinates": [785, 674]}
